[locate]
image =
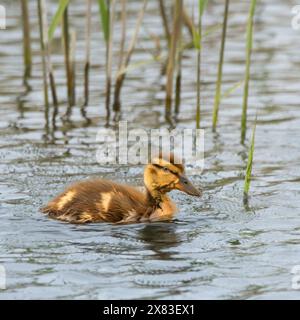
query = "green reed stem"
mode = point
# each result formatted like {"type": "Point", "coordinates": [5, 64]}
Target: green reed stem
{"type": "Point", "coordinates": [249, 165]}
{"type": "Point", "coordinates": [220, 69]}
{"type": "Point", "coordinates": [249, 44]}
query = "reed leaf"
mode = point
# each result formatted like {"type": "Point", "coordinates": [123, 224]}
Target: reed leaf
{"type": "Point", "coordinates": [228, 92]}
{"type": "Point", "coordinates": [104, 13]}
{"type": "Point", "coordinates": [202, 4]}
{"type": "Point", "coordinates": [57, 17]}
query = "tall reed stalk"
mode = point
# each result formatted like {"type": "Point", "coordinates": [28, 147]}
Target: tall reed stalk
{"type": "Point", "coordinates": [43, 54]}
{"type": "Point", "coordinates": [27, 54]}
{"type": "Point", "coordinates": [178, 67]}
{"type": "Point", "coordinates": [177, 12]}
{"type": "Point", "coordinates": [73, 40]}
{"type": "Point", "coordinates": [47, 54]}
{"type": "Point", "coordinates": [122, 72]}
{"type": "Point", "coordinates": [188, 21]}
{"type": "Point", "coordinates": [107, 13]}
{"type": "Point", "coordinates": [220, 69]}
{"type": "Point", "coordinates": [109, 55]}
{"type": "Point", "coordinates": [249, 44]}
{"type": "Point", "coordinates": [123, 32]}
{"type": "Point", "coordinates": [48, 62]}
{"type": "Point", "coordinates": [249, 165]}
{"type": "Point", "coordinates": [165, 22]}
{"type": "Point", "coordinates": [68, 67]}
{"type": "Point", "coordinates": [87, 50]}
{"type": "Point", "coordinates": [197, 37]}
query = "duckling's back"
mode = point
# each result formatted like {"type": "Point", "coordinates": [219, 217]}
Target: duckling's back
{"type": "Point", "coordinates": [98, 200]}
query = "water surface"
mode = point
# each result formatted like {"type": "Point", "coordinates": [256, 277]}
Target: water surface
{"type": "Point", "coordinates": [216, 248]}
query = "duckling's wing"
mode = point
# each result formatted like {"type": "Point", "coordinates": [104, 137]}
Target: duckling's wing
{"type": "Point", "coordinates": [95, 201]}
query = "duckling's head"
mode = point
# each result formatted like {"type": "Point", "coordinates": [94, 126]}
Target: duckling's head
{"type": "Point", "coordinates": [163, 175]}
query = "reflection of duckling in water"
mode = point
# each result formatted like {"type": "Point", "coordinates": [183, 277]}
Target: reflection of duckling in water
{"type": "Point", "coordinates": [105, 201]}
{"type": "Point", "coordinates": [162, 246]}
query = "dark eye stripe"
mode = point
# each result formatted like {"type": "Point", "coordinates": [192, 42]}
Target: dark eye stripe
{"type": "Point", "coordinates": [160, 167]}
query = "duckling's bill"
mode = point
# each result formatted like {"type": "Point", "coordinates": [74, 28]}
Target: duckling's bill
{"type": "Point", "coordinates": [185, 185]}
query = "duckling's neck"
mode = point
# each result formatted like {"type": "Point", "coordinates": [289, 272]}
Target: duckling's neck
{"type": "Point", "coordinates": [155, 198]}
{"type": "Point", "coordinates": [162, 206]}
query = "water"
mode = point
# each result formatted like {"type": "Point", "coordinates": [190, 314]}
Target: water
{"type": "Point", "coordinates": [216, 248]}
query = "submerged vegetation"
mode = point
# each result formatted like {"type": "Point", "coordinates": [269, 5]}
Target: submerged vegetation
{"type": "Point", "coordinates": [183, 29]}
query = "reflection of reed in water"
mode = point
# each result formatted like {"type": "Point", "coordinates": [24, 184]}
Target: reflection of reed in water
{"type": "Point", "coordinates": [160, 237]}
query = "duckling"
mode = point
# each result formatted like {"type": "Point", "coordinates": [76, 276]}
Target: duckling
{"type": "Point", "coordinates": [101, 200]}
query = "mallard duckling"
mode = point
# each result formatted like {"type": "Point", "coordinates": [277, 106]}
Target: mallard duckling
{"type": "Point", "coordinates": [105, 201]}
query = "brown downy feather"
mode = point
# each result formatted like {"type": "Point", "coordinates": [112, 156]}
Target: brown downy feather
{"type": "Point", "coordinates": [97, 200]}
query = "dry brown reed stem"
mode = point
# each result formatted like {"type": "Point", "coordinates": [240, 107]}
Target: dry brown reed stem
{"type": "Point", "coordinates": [122, 72]}
{"type": "Point", "coordinates": [43, 54]}
{"type": "Point", "coordinates": [123, 31]}
{"type": "Point", "coordinates": [172, 59]}
{"type": "Point", "coordinates": [27, 53]}
{"type": "Point", "coordinates": [66, 44]}
{"type": "Point", "coordinates": [109, 56]}
{"type": "Point", "coordinates": [188, 21]}
{"type": "Point", "coordinates": [48, 55]}
{"type": "Point", "coordinates": [164, 20]}
{"type": "Point", "coordinates": [178, 66]}
{"type": "Point", "coordinates": [198, 110]}
{"type": "Point", "coordinates": [73, 64]}
{"type": "Point", "coordinates": [220, 69]}
{"type": "Point", "coordinates": [88, 22]}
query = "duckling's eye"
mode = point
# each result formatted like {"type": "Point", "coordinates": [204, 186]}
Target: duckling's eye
{"type": "Point", "coordinates": [166, 169]}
